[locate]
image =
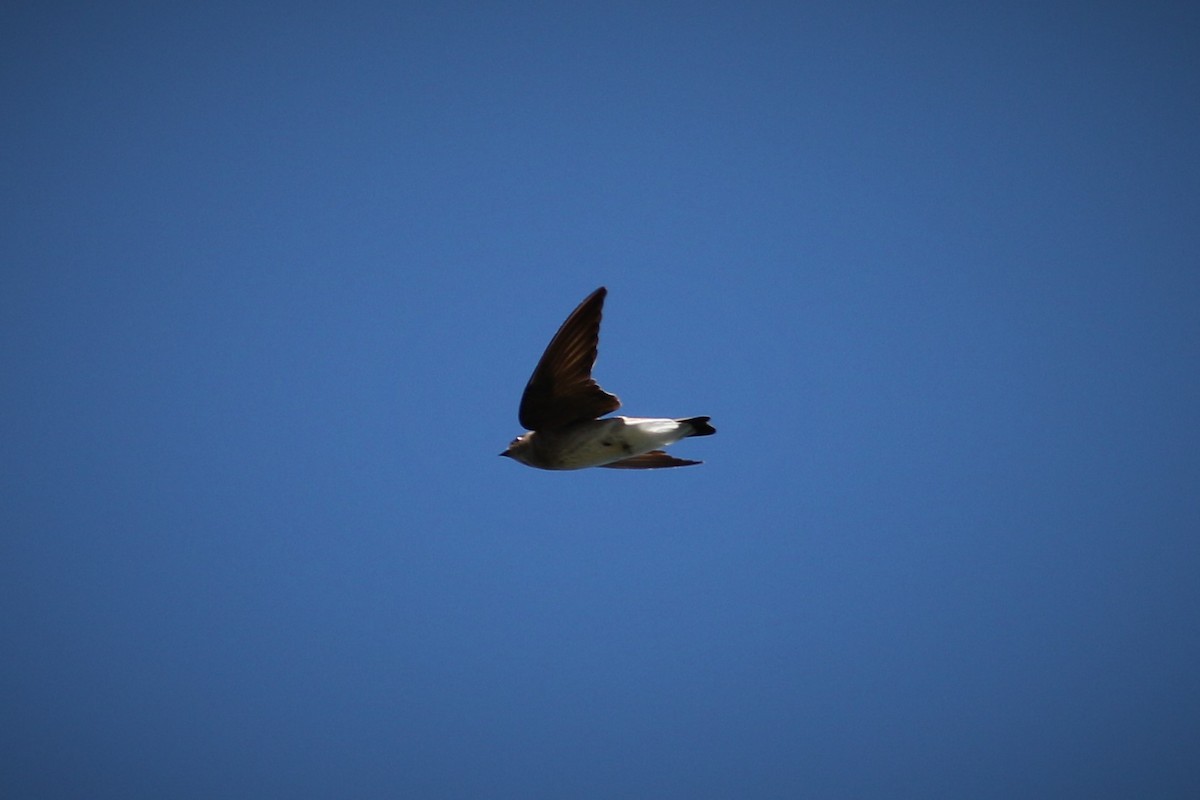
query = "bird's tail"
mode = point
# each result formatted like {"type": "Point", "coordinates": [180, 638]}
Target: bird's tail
{"type": "Point", "coordinates": [699, 426]}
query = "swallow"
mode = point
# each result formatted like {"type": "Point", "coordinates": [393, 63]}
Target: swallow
{"type": "Point", "coordinates": [562, 408]}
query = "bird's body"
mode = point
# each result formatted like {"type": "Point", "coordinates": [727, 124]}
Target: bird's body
{"type": "Point", "coordinates": [606, 442]}
{"type": "Point", "coordinates": [562, 407]}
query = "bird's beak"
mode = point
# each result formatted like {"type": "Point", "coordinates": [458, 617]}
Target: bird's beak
{"type": "Point", "coordinates": [506, 453]}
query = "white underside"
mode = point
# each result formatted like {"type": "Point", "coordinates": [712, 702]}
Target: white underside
{"type": "Point", "coordinates": [618, 438]}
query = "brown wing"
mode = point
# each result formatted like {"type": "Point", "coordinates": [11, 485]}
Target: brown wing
{"type": "Point", "coordinates": [655, 459]}
{"type": "Point", "coordinates": [561, 389]}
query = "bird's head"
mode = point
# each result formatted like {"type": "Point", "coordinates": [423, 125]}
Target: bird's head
{"type": "Point", "coordinates": [520, 448]}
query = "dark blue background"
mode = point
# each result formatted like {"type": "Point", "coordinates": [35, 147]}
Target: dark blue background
{"type": "Point", "coordinates": [274, 277]}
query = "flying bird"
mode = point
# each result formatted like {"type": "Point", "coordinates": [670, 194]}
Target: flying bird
{"type": "Point", "coordinates": [562, 407]}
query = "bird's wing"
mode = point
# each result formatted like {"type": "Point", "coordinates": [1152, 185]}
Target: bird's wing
{"type": "Point", "coordinates": [561, 389]}
{"type": "Point", "coordinates": [655, 459]}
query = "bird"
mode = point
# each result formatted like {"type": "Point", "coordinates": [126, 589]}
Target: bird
{"type": "Point", "coordinates": [563, 410]}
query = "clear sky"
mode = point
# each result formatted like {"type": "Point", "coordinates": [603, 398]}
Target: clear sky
{"type": "Point", "coordinates": [272, 280]}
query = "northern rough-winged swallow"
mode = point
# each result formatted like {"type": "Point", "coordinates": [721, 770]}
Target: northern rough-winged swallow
{"type": "Point", "coordinates": [562, 405]}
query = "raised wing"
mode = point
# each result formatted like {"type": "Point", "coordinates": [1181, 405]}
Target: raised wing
{"type": "Point", "coordinates": [655, 459]}
{"type": "Point", "coordinates": [561, 389]}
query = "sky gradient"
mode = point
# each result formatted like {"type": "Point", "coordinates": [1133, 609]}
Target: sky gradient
{"type": "Point", "coordinates": [272, 284]}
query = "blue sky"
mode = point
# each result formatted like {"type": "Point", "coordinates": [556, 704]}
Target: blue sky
{"type": "Point", "coordinates": [273, 281]}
